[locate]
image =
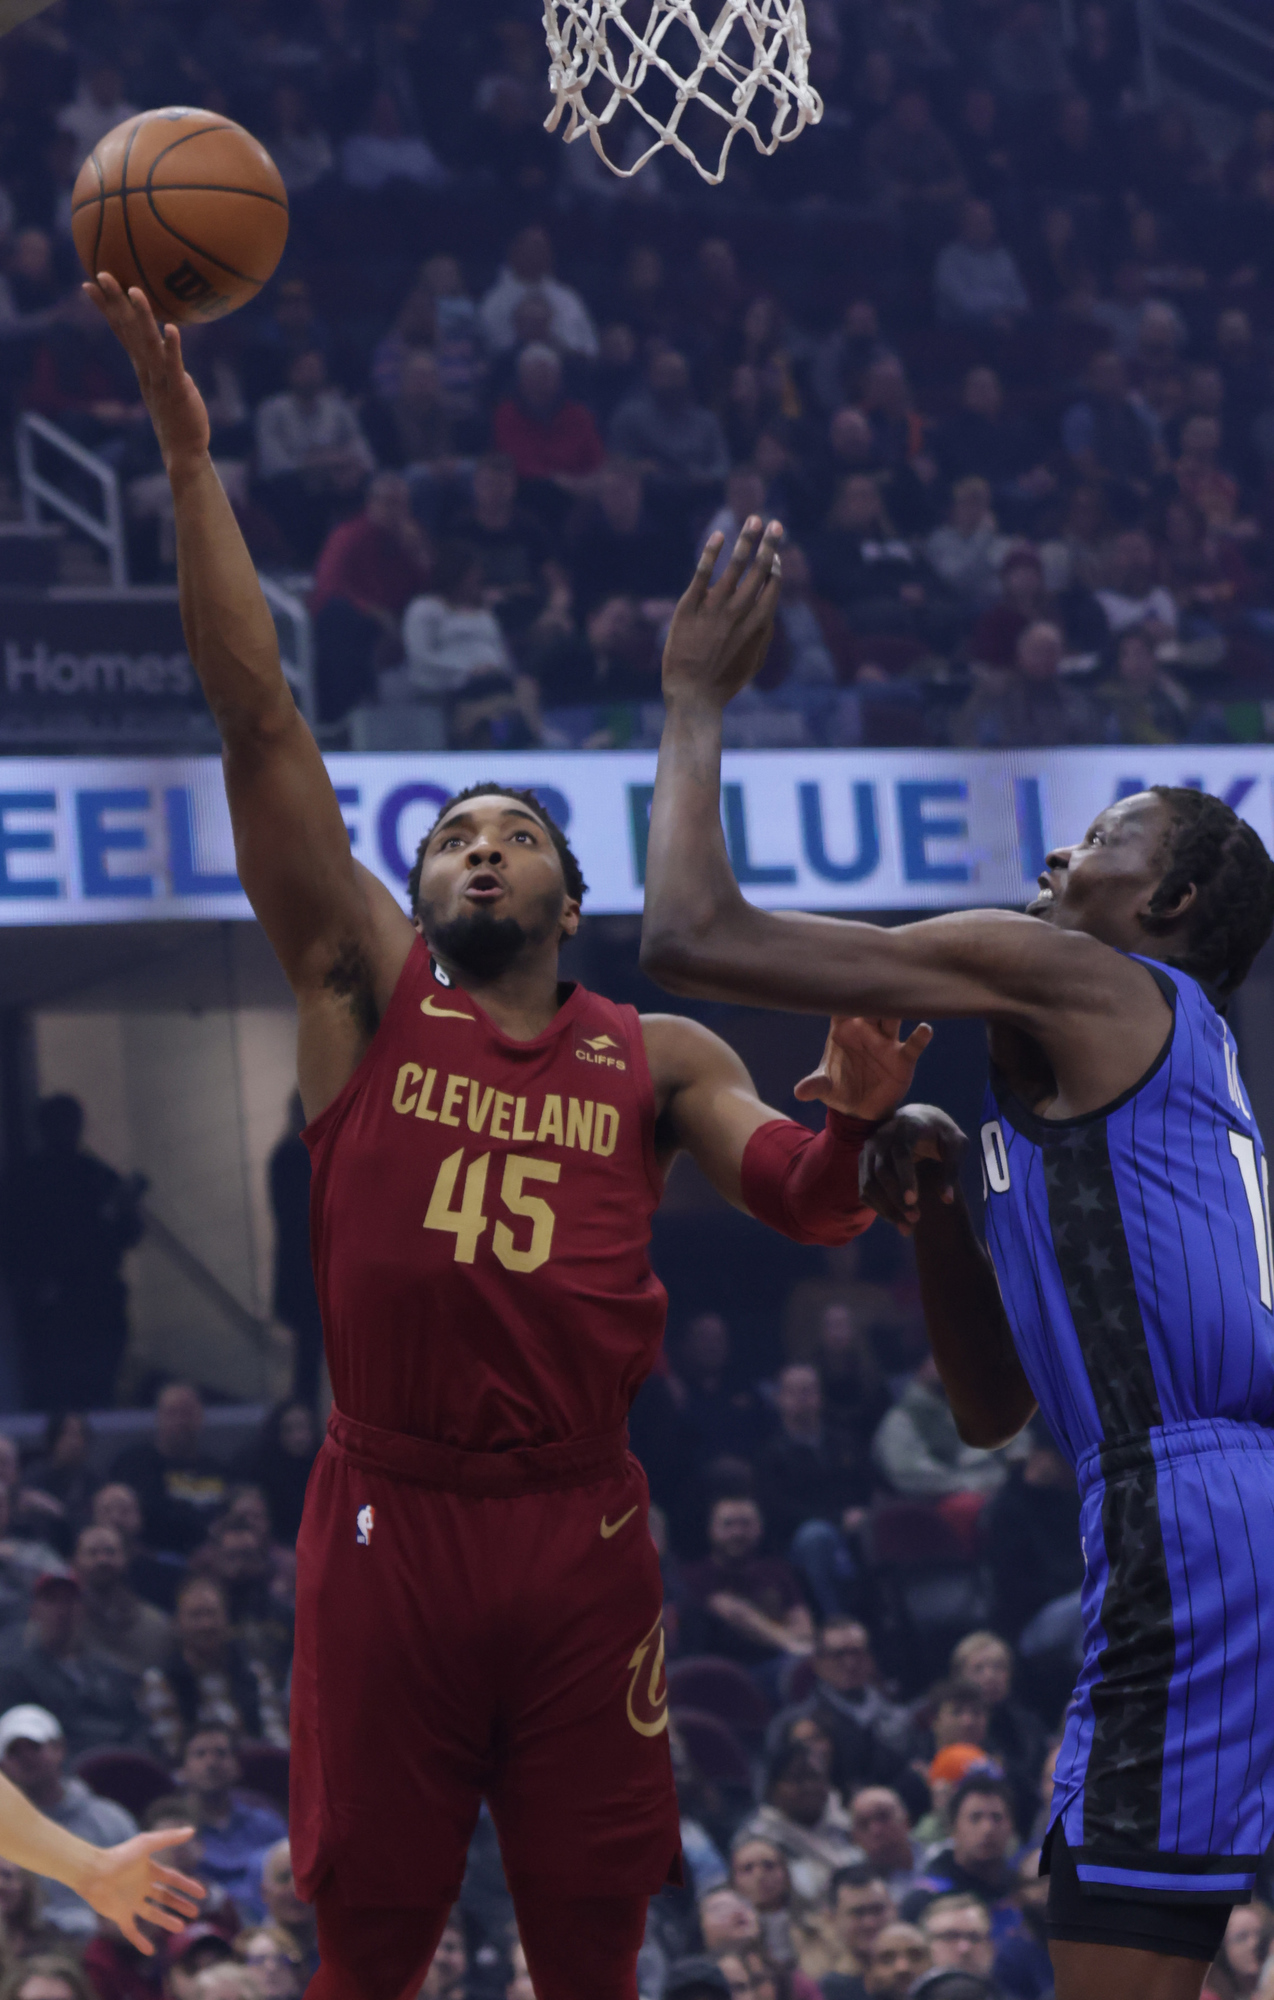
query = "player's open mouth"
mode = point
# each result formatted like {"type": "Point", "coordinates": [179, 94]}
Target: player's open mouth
{"type": "Point", "coordinates": [1041, 905]}
{"type": "Point", "coordinates": [484, 888]}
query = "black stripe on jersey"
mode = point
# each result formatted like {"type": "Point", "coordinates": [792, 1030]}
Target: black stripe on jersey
{"type": "Point", "coordinates": [1123, 1784]}
{"type": "Point", "coordinates": [1096, 1269]}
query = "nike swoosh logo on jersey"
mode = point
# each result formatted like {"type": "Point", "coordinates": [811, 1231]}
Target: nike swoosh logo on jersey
{"type": "Point", "coordinates": [610, 1528]}
{"type": "Point", "coordinates": [436, 1013]}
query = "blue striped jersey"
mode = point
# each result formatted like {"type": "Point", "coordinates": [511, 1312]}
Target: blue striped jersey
{"type": "Point", "coordinates": [1133, 1244]}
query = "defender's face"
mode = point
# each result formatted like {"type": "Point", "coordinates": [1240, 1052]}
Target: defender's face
{"type": "Point", "coordinates": [492, 854]}
{"type": "Point", "coordinates": [1104, 884]}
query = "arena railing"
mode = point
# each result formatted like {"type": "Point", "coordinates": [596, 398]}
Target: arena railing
{"type": "Point", "coordinates": [38, 490]}
{"type": "Point", "coordinates": [1233, 39]}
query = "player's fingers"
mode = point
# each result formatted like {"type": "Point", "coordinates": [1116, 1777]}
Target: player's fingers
{"type": "Point", "coordinates": [812, 1087]}
{"type": "Point", "coordinates": [877, 1188]}
{"type": "Point", "coordinates": [740, 557]}
{"type": "Point", "coordinates": [917, 1041]}
{"type": "Point", "coordinates": [136, 1937]}
{"type": "Point", "coordinates": [697, 589]}
{"type": "Point", "coordinates": [764, 577]}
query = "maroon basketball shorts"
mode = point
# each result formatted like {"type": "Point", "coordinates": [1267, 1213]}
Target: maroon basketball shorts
{"type": "Point", "coordinates": [478, 1625]}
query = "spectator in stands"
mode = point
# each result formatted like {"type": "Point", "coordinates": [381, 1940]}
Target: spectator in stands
{"type": "Point", "coordinates": [48, 1976]}
{"type": "Point", "coordinates": [879, 1825]}
{"type": "Point", "coordinates": [369, 570]}
{"type": "Point", "coordinates": [982, 439]}
{"type": "Point", "coordinates": [546, 434]}
{"type": "Point", "coordinates": [274, 1961]}
{"type": "Point", "coordinates": [665, 432]}
{"type": "Point", "coordinates": [840, 360]}
{"type": "Point", "coordinates": [299, 146]}
{"type": "Point", "coordinates": [1133, 594]}
{"type": "Point", "coordinates": [968, 550]}
{"type": "Point", "coordinates": [909, 159]}
{"type": "Point", "coordinates": [284, 1908]}
{"type": "Point", "coordinates": [32, 1754]}
{"type": "Point", "coordinates": [979, 1860]}
{"type": "Point", "coordinates": [278, 1462]}
{"type": "Point", "coordinates": [119, 1625]}
{"type": "Point", "coordinates": [727, 1920]}
{"type": "Point", "coordinates": [1024, 600]}
{"type": "Point", "coordinates": [382, 151]}
{"type": "Point", "coordinates": [899, 1957]}
{"type": "Point", "coordinates": [179, 1485]}
{"type": "Point", "coordinates": [1030, 706]}
{"type": "Point", "coordinates": [1110, 435]}
{"type": "Point", "coordinates": [859, 1905]}
{"type": "Point", "coordinates": [722, 1413]}
{"type": "Point", "coordinates": [1200, 477]}
{"type": "Point", "coordinates": [22, 1563]}
{"type": "Point", "coordinates": [808, 1474]}
{"type": "Point", "coordinates": [846, 1686]}
{"type": "Point", "coordinates": [26, 1928]}
{"type": "Point", "coordinates": [52, 1666]}
{"type": "Point", "coordinates": [415, 430]}
{"type": "Point", "coordinates": [236, 1832]}
{"type": "Point", "coordinates": [1026, 62]}
{"type": "Point", "coordinates": [803, 1818]}
{"type": "Point", "coordinates": [1034, 1554]}
{"type": "Point", "coordinates": [238, 1556]}
{"type": "Point", "coordinates": [621, 546]}
{"type": "Point", "coordinates": [528, 271]}
{"type": "Point", "coordinates": [312, 456]}
{"type": "Point", "coordinates": [457, 651]}
{"type": "Point", "coordinates": [696, 1979]}
{"type": "Point", "coordinates": [291, 327]}
{"type": "Point", "coordinates": [918, 1450]}
{"type": "Point", "coordinates": [958, 1929]}
{"type": "Point", "coordinates": [976, 281]}
{"type": "Point", "coordinates": [759, 1871]}
{"type": "Point", "coordinates": [59, 1480]}
{"type": "Point", "coordinates": [209, 1677]}
{"type": "Point", "coordinates": [958, 1712]}
{"type": "Point", "coordinates": [295, 1302]}
{"type": "Point", "coordinates": [1144, 703]}
{"type": "Point", "coordinates": [187, 1955]}
{"type": "Point", "coordinates": [867, 570]}
{"type": "Point", "coordinates": [511, 543]}
{"type": "Point", "coordinates": [96, 109]}
{"type": "Point", "coordinates": [741, 1604]}
{"type": "Point", "coordinates": [66, 1223]}
{"type": "Point", "coordinates": [1014, 1734]}
{"type": "Point", "coordinates": [153, 1576]}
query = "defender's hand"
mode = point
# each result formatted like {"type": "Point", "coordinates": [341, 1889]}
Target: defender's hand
{"type": "Point", "coordinates": [887, 1177]}
{"type": "Point", "coordinates": [720, 632]}
{"type": "Point", "coordinates": [176, 407]}
{"type": "Point", "coordinates": [865, 1070]}
{"type": "Point", "coordinates": [127, 1884]}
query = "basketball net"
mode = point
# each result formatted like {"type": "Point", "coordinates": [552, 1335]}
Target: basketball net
{"type": "Point", "coordinates": [749, 69]}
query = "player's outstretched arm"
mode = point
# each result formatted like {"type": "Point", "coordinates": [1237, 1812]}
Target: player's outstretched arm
{"type": "Point", "coordinates": [802, 1183]}
{"type": "Point", "coordinates": [125, 1883]}
{"type": "Point", "coordinates": [908, 1176]}
{"type": "Point", "coordinates": [701, 936]}
{"type": "Point", "coordinates": [338, 934]}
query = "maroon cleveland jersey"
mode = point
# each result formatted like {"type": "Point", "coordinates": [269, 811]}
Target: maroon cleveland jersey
{"type": "Point", "coordinates": [480, 1222]}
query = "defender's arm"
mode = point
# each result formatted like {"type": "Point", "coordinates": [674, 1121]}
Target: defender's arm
{"type": "Point", "coordinates": [339, 935]}
{"type": "Point", "coordinates": [908, 1175]}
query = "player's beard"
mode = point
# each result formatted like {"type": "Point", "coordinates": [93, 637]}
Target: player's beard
{"type": "Point", "coordinates": [479, 943]}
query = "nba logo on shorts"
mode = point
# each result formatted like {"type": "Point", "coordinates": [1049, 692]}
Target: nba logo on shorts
{"type": "Point", "coordinates": [364, 1523]}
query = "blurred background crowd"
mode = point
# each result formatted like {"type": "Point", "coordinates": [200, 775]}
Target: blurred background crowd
{"type": "Point", "coordinates": [995, 341]}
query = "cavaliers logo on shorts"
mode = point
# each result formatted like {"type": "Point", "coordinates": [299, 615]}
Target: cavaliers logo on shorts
{"type": "Point", "coordinates": [648, 1688]}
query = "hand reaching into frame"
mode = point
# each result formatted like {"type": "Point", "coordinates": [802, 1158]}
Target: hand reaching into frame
{"type": "Point", "coordinates": [130, 1885]}
{"type": "Point", "coordinates": [720, 632]}
{"type": "Point", "coordinates": [175, 404]}
{"type": "Point", "coordinates": [919, 1138]}
{"type": "Point", "coordinates": [865, 1069]}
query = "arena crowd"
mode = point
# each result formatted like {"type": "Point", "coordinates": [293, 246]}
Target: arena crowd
{"type": "Point", "coordinates": [993, 339]}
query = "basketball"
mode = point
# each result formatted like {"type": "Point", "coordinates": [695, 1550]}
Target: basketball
{"type": "Point", "coordinates": [185, 204]}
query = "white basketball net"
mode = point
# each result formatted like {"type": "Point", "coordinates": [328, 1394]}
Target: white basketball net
{"type": "Point", "coordinates": [745, 61]}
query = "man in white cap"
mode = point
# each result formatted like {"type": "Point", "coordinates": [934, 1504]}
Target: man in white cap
{"type": "Point", "coordinates": [32, 1754]}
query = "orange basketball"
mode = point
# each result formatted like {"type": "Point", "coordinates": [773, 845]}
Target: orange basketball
{"type": "Point", "coordinates": [185, 204]}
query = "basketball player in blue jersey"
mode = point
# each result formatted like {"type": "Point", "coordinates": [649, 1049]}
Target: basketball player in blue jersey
{"type": "Point", "coordinates": [1128, 1226]}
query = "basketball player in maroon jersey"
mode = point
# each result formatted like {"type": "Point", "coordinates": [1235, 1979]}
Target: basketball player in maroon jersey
{"type": "Point", "coordinates": [478, 1609]}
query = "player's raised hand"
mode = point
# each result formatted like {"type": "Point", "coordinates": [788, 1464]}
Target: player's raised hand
{"type": "Point", "coordinates": [720, 632]}
{"type": "Point", "coordinates": [129, 1885]}
{"type": "Point", "coordinates": [888, 1178]}
{"type": "Point", "coordinates": [175, 404]}
{"type": "Point", "coordinates": [865, 1069]}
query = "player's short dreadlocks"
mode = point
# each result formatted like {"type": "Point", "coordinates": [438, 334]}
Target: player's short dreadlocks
{"type": "Point", "coordinates": [576, 886]}
{"type": "Point", "coordinates": [1225, 859]}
